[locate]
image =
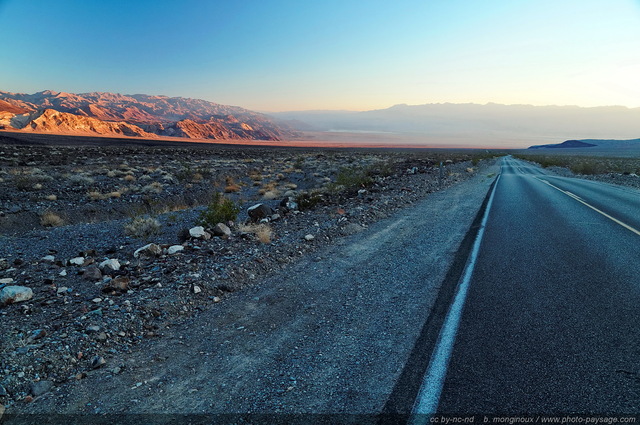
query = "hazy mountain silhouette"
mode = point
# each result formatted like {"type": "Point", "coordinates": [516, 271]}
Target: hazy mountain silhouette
{"type": "Point", "coordinates": [571, 144]}
{"type": "Point", "coordinates": [490, 121]}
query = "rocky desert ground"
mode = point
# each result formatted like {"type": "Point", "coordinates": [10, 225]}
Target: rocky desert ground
{"type": "Point", "coordinates": [102, 247]}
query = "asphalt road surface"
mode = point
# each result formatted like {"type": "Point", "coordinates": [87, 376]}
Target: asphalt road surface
{"type": "Point", "coordinates": [551, 320]}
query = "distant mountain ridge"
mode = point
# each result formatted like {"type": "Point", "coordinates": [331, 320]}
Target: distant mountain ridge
{"type": "Point", "coordinates": [594, 144]}
{"type": "Point", "coordinates": [136, 115]}
{"type": "Point", "coordinates": [490, 121]}
{"type": "Point", "coordinates": [565, 144]}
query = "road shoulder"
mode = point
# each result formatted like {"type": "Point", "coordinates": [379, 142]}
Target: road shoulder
{"type": "Point", "coordinates": [331, 334]}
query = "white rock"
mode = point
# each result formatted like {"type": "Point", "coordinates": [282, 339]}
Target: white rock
{"type": "Point", "coordinates": [14, 294]}
{"type": "Point", "coordinates": [63, 273]}
{"type": "Point", "coordinates": [97, 300]}
{"type": "Point", "coordinates": [309, 237]}
{"type": "Point", "coordinates": [222, 230]}
{"type": "Point", "coordinates": [78, 261]}
{"type": "Point", "coordinates": [6, 281]}
{"type": "Point", "coordinates": [198, 232]}
{"type": "Point", "coordinates": [48, 259]}
{"type": "Point", "coordinates": [111, 264]}
{"type": "Point", "coordinates": [148, 250]}
{"type": "Point", "coordinates": [174, 249]}
{"type": "Point", "coordinates": [196, 289]}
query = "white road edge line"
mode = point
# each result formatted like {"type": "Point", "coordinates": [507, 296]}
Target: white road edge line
{"type": "Point", "coordinates": [579, 199]}
{"type": "Point", "coordinates": [429, 395]}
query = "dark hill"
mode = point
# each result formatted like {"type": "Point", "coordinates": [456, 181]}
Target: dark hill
{"type": "Point", "coordinates": [566, 144]}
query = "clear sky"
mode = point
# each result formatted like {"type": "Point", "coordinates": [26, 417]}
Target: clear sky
{"type": "Point", "coordinates": [277, 55]}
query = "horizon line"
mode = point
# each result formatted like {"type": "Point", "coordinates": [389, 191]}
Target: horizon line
{"type": "Point", "coordinates": [488, 103]}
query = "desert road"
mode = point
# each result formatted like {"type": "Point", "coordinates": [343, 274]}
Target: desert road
{"type": "Point", "coordinates": [550, 323]}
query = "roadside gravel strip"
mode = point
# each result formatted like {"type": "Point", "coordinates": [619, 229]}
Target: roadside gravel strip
{"type": "Point", "coordinates": [329, 335]}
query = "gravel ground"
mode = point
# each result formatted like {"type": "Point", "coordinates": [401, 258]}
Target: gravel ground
{"type": "Point", "coordinates": [80, 317]}
{"type": "Point", "coordinates": [328, 333]}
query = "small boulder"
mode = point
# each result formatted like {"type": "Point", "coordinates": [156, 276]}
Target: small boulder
{"type": "Point", "coordinates": [92, 273]}
{"type": "Point", "coordinates": [119, 284]}
{"type": "Point", "coordinates": [309, 237]}
{"type": "Point", "coordinates": [15, 294]}
{"type": "Point", "coordinates": [77, 261]}
{"type": "Point", "coordinates": [173, 249]}
{"type": "Point", "coordinates": [149, 250]}
{"type": "Point", "coordinates": [6, 281]}
{"type": "Point", "coordinates": [48, 259]}
{"type": "Point", "coordinates": [98, 361]}
{"type": "Point", "coordinates": [221, 230]}
{"type": "Point", "coordinates": [260, 211]}
{"type": "Point", "coordinates": [352, 228]}
{"type": "Point", "coordinates": [37, 334]}
{"type": "Point", "coordinates": [288, 204]}
{"type": "Point", "coordinates": [110, 265]}
{"type": "Point", "coordinates": [198, 232]}
{"type": "Point", "coordinates": [40, 387]}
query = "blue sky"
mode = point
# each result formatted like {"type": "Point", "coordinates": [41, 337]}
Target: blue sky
{"type": "Point", "coordinates": [276, 55]}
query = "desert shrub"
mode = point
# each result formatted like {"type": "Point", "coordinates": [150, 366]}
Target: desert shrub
{"type": "Point", "coordinates": [204, 172]}
{"type": "Point", "coordinates": [51, 219]}
{"type": "Point", "coordinates": [263, 231]}
{"type": "Point", "coordinates": [299, 163]}
{"type": "Point", "coordinates": [94, 195]}
{"type": "Point", "coordinates": [154, 187]}
{"type": "Point", "coordinates": [81, 179]}
{"type": "Point", "coordinates": [352, 178]}
{"type": "Point", "coordinates": [267, 187]}
{"type": "Point", "coordinates": [290, 186]}
{"type": "Point", "coordinates": [255, 175]}
{"type": "Point", "coordinates": [383, 169]}
{"type": "Point", "coordinates": [51, 198]}
{"type": "Point", "coordinates": [231, 186]}
{"type": "Point", "coordinates": [307, 201]}
{"type": "Point", "coordinates": [25, 182]}
{"type": "Point", "coordinates": [219, 210]}
{"type": "Point", "coordinates": [271, 194]}
{"type": "Point", "coordinates": [477, 157]}
{"type": "Point", "coordinates": [188, 174]}
{"type": "Point", "coordinates": [142, 227]}
{"type": "Point", "coordinates": [585, 168]}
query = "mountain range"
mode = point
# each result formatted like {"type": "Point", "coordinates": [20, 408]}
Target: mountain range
{"type": "Point", "coordinates": [502, 124]}
{"type": "Point", "coordinates": [599, 145]}
{"type": "Point", "coordinates": [137, 115]}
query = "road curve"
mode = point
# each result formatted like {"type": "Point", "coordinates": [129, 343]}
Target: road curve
{"type": "Point", "coordinates": [551, 319]}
